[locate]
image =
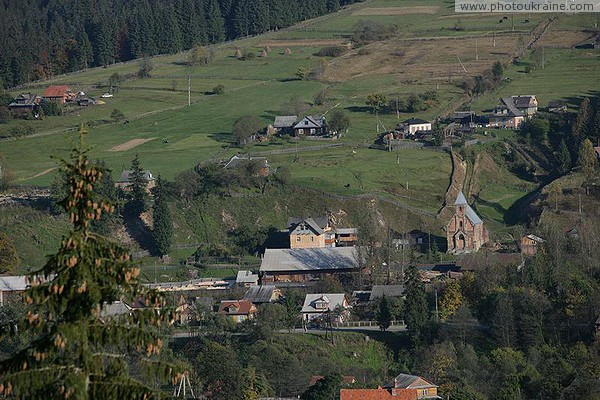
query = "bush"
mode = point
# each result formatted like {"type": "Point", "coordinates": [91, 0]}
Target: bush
{"type": "Point", "coordinates": [4, 115]}
{"type": "Point", "coordinates": [50, 108]}
{"type": "Point", "coordinates": [117, 115]}
{"type": "Point", "coordinates": [219, 89]}
{"type": "Point", "coordinates": [364, 52]}
{"type": "Point", "coordinates": [332, 51]}
{"type": "Point", "coordinates": [21, 130]}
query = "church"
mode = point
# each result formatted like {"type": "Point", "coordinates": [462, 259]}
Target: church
{"type": "Point", "coordinates": [465, 231]}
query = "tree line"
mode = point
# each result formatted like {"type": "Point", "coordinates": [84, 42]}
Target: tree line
{"type": "Point", "coordinates": [39, 39]}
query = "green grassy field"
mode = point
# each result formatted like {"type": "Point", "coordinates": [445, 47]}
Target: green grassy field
{"type": "Point", "coordinates": [178, 137]}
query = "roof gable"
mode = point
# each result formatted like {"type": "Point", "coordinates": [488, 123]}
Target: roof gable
{"type": "Point", "coordinates": [310, 122]}
{"type": "Point", "coordinates": [305, 225]}
{"type": "Point", "coordinates": [237, 307]}
{"type": "Point", "coordinates": [331, 300]}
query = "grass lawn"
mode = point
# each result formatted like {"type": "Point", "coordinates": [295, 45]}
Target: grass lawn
{"type": "Point", "coordinates": [345, 171]}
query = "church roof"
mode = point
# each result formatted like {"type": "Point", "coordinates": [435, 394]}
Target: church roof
{"type": "Point", "coordinates": [461, 200]}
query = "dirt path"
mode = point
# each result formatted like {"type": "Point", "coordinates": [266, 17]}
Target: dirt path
{"type": "Point", "coordinates": [130, 144]}
{"type": "Point", "coordinates": [44, 172]}
{"type": "Point", "coordinates": [397, 10]}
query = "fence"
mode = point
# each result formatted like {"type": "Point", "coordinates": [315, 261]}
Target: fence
{"type": "Point", "coordinates": [358, 324]}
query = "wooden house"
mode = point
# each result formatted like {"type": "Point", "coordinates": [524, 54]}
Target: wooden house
{"type": "Point", "coordinates": [311, 126]}
{"type": "Point", "coordinates": [530, 245]}
{"type": "Point", "coordinates": [413, 126]}
{"type": "Point", "coordinates": [284, 124]}
{"type": "Point", "coordinates": [403, 387]}
{"type": "Point", "coordinates": [24, 103]}
{"type": "Point", "coordinates": [557, 106]}
{"type": "Point", "coordinates": [59, 94]}
{"type": "Point", "coordinates": [307, 233]}
{"type": "Point", "coordinates": [125, 180]}
{"type": "Point", "coordinates": [238, 310]}
{"type": "Point", "coordinates": [320, 305]}
{"type": "Point", "coordinates": [465, 232]}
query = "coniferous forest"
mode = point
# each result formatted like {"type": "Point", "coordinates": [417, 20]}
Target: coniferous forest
{"type": "Point", "coordinates": [42, 38]}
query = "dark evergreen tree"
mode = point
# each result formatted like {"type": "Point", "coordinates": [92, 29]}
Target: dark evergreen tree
{"type": "Point", "coordinates": [563, 158]}
{"type": "Point", "coordinates": [76, 350]}
{"type": "Point", "coordinates": [215, 28]}
{"type": "Point", "coordinates": [138, 198]}
{"type": "Point", "coordinates": [163, 223]}
{"type": "Point", "coordinates": [325, 389]}
{"type": "Point", "coordinates": [384, 313]}
{"type": "Point", "coordinates": [416, 312]}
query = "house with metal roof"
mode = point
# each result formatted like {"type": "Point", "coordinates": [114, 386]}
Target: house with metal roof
{"type": "Point", "coordinates": [312, 125]}
{"type": "Point", "coordinates": [318, 305]}
{"type": "Point", "coordinates": [246, 278]}
{"type": "Point", "coordinates": [24, 103]}
{"type": "Point", "coordinates": [403, 387]}
{"type": "Point", "coordinates": [300, 265]}
{"type": "Point", "coordinates": [379, 291]}
{"type": "Point", "coordinates": [263, 294]}
{"type": "Point", "coordinates": [465, 232]}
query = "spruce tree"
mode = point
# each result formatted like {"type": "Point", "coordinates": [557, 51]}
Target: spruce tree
{"type": "Point", "coordinates": [77, 351]}
{"type": "Point", "coordinates": [564, 158]}
{"type": "Point", "coordinates": [416, 313]}
{"type": "Point", "coordinates": [215, 25]}
{"type": "Point", "coordinates": [384, 313]}
{"type": "Point", "coordinates": [163, 223]}
{"type": "Point", "coordinates": [587, 158]}
{"type": "Point", "coordinates": [138, 196]}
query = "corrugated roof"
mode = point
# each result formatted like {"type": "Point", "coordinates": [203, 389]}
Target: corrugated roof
{"type": "Point", "coordinates": [246, 277]}
{"type": "Point", "coordinates": [285, 121]}
{"type": "Point", "coordinates": [366, 394]}
{"type": "Point", "coordinates": [13, 283]}
{"type": "Point", "coordinates": [511, 106]}
{"type": "Point", "coordinates": [306, 260]}
{"type": "Point", "coordinates": [389, 291]}
{"type": "Point", "coordinates": [346, 231]}
{"type": "Point", "coordinates": [125, 176]}
{"type": "Point", "coordinates": [260, 294]}
{"type": "Point", "coordinates": [405, 381]}
{"type": "Point", "coordinates": [334, 300]}
{"type": "Point", "coordinates": [313, 121]}
{"type": "Point", "coordinates": [322, 221]}
{"type": "Point", "coordinates": [536, 238]}
{"type": "Point", "coordinates": [524, 101]}
{"type": "Point", "coordinates": [244, 307]}
{"type": "Point", "coordinates": [56, 91]}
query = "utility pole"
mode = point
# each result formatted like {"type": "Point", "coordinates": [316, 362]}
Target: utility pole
{"type": "Point", "coordinates": [494, 39]}
{"type": "Point", "coordinates": [189, 89]}
{"type": "Point", "coordinates": [543, 57]}
{"type": "Point", "coordinates": [476, 51]}
{"type": "Point", "coordinates": [437, 314]}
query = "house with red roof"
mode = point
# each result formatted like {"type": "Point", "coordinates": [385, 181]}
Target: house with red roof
{"type": "Point", "coordinates": [403, 387]}
{"type": "Point", "coordinates": [238, 310]}
{"type": "Point", "coordinates": [59, 94]}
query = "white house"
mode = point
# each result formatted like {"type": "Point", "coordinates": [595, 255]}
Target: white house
{"type": "Point", "coordinates": [320, 304]}
{"type": "Point", "coordinates": [414, 125]}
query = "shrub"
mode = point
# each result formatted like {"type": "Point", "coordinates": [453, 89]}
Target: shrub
{"type": "Point", "coordinates": [364, 52]}
{"type": "Point", "coordinates": [21, 130]}
{"type": "Point", "coordinates": [219, 89]}
{"type": "Point", "coordinates": [332, 51]}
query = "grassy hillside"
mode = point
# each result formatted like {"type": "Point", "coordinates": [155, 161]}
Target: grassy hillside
{"type": "Point", "coordinates": [421, 55]}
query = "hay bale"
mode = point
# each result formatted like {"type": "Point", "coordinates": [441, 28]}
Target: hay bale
{"type": "Point", "coordinates": [264, 53]}
{"type": "Point", "coordinates": [238, 54]}
{"type": "Point", "coordinates": [287, 51]}
{"type": "Point", "coordinates": [267, 49]}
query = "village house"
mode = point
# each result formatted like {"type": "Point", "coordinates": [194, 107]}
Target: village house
{"type": "Point", "coordinates": [246, 279]}
{"type": "Point", "coordinates": [124, 180]}
{"type": "Point", "coordinates": [284, 124]}
{"type": "Point", "coordinates": [307, 233]}
{"type": "Point", "coordinates": [11, 285]}
{"type": "Point", "coordinates": [317, 232]}
{"type": "Point", "coordinates": [24, 103]}
{"type": "Point", "coordinates": [333, 306]}
{"type": "Point", "coordinates": [403, 387]}
{"type": "Point", "coordinates": [506, 117]}
{"type": "Point", "coordinates": [185, 311]}
{"type": "Point", "coordinates": [465, 232]}
{"type": "Point", "coordinates": [530, 245]}
{"type": "Point", "coordinates": [301, 265]}
{"type": "Point", "coordinates": [314, 125]}
{"type": "Point", "coordinates": [259, 164]}
{"type": "Point", "coordinates": [390, 291]}
{"type": "Point", "coordinates": [238, 310]}
{"type": "Point", "coordinates": [59, 94]}
{"type": "Point", "coordinates": [413, 125]}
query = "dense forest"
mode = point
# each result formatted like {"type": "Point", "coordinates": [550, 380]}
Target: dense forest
{"type": "Point", "coordinates": [42, 38]}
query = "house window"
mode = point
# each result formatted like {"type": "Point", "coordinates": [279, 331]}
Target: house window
{"type": "Point", "coordinates": [312, 238]}
{"type": "Point", "coordinates": [460, 223]}
{"type": "Point", "coordinates": [424, 392]}
{"type": "Point", "coordinates": [297, 238]}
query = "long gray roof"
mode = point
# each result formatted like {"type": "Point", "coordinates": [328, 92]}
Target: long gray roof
{"type": "Point", "coordinates": [285, 121]}
{"type": "Point", "coordinates": [306, 260]}
{"type": "Point", "coordinates": [512, 107]}
{"type": "Point", "coordinates": [333, 299]}
{"type": "Point", "coordinates": [260, 294]}
{"type": "Point", "coordinates": [389, 291]}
